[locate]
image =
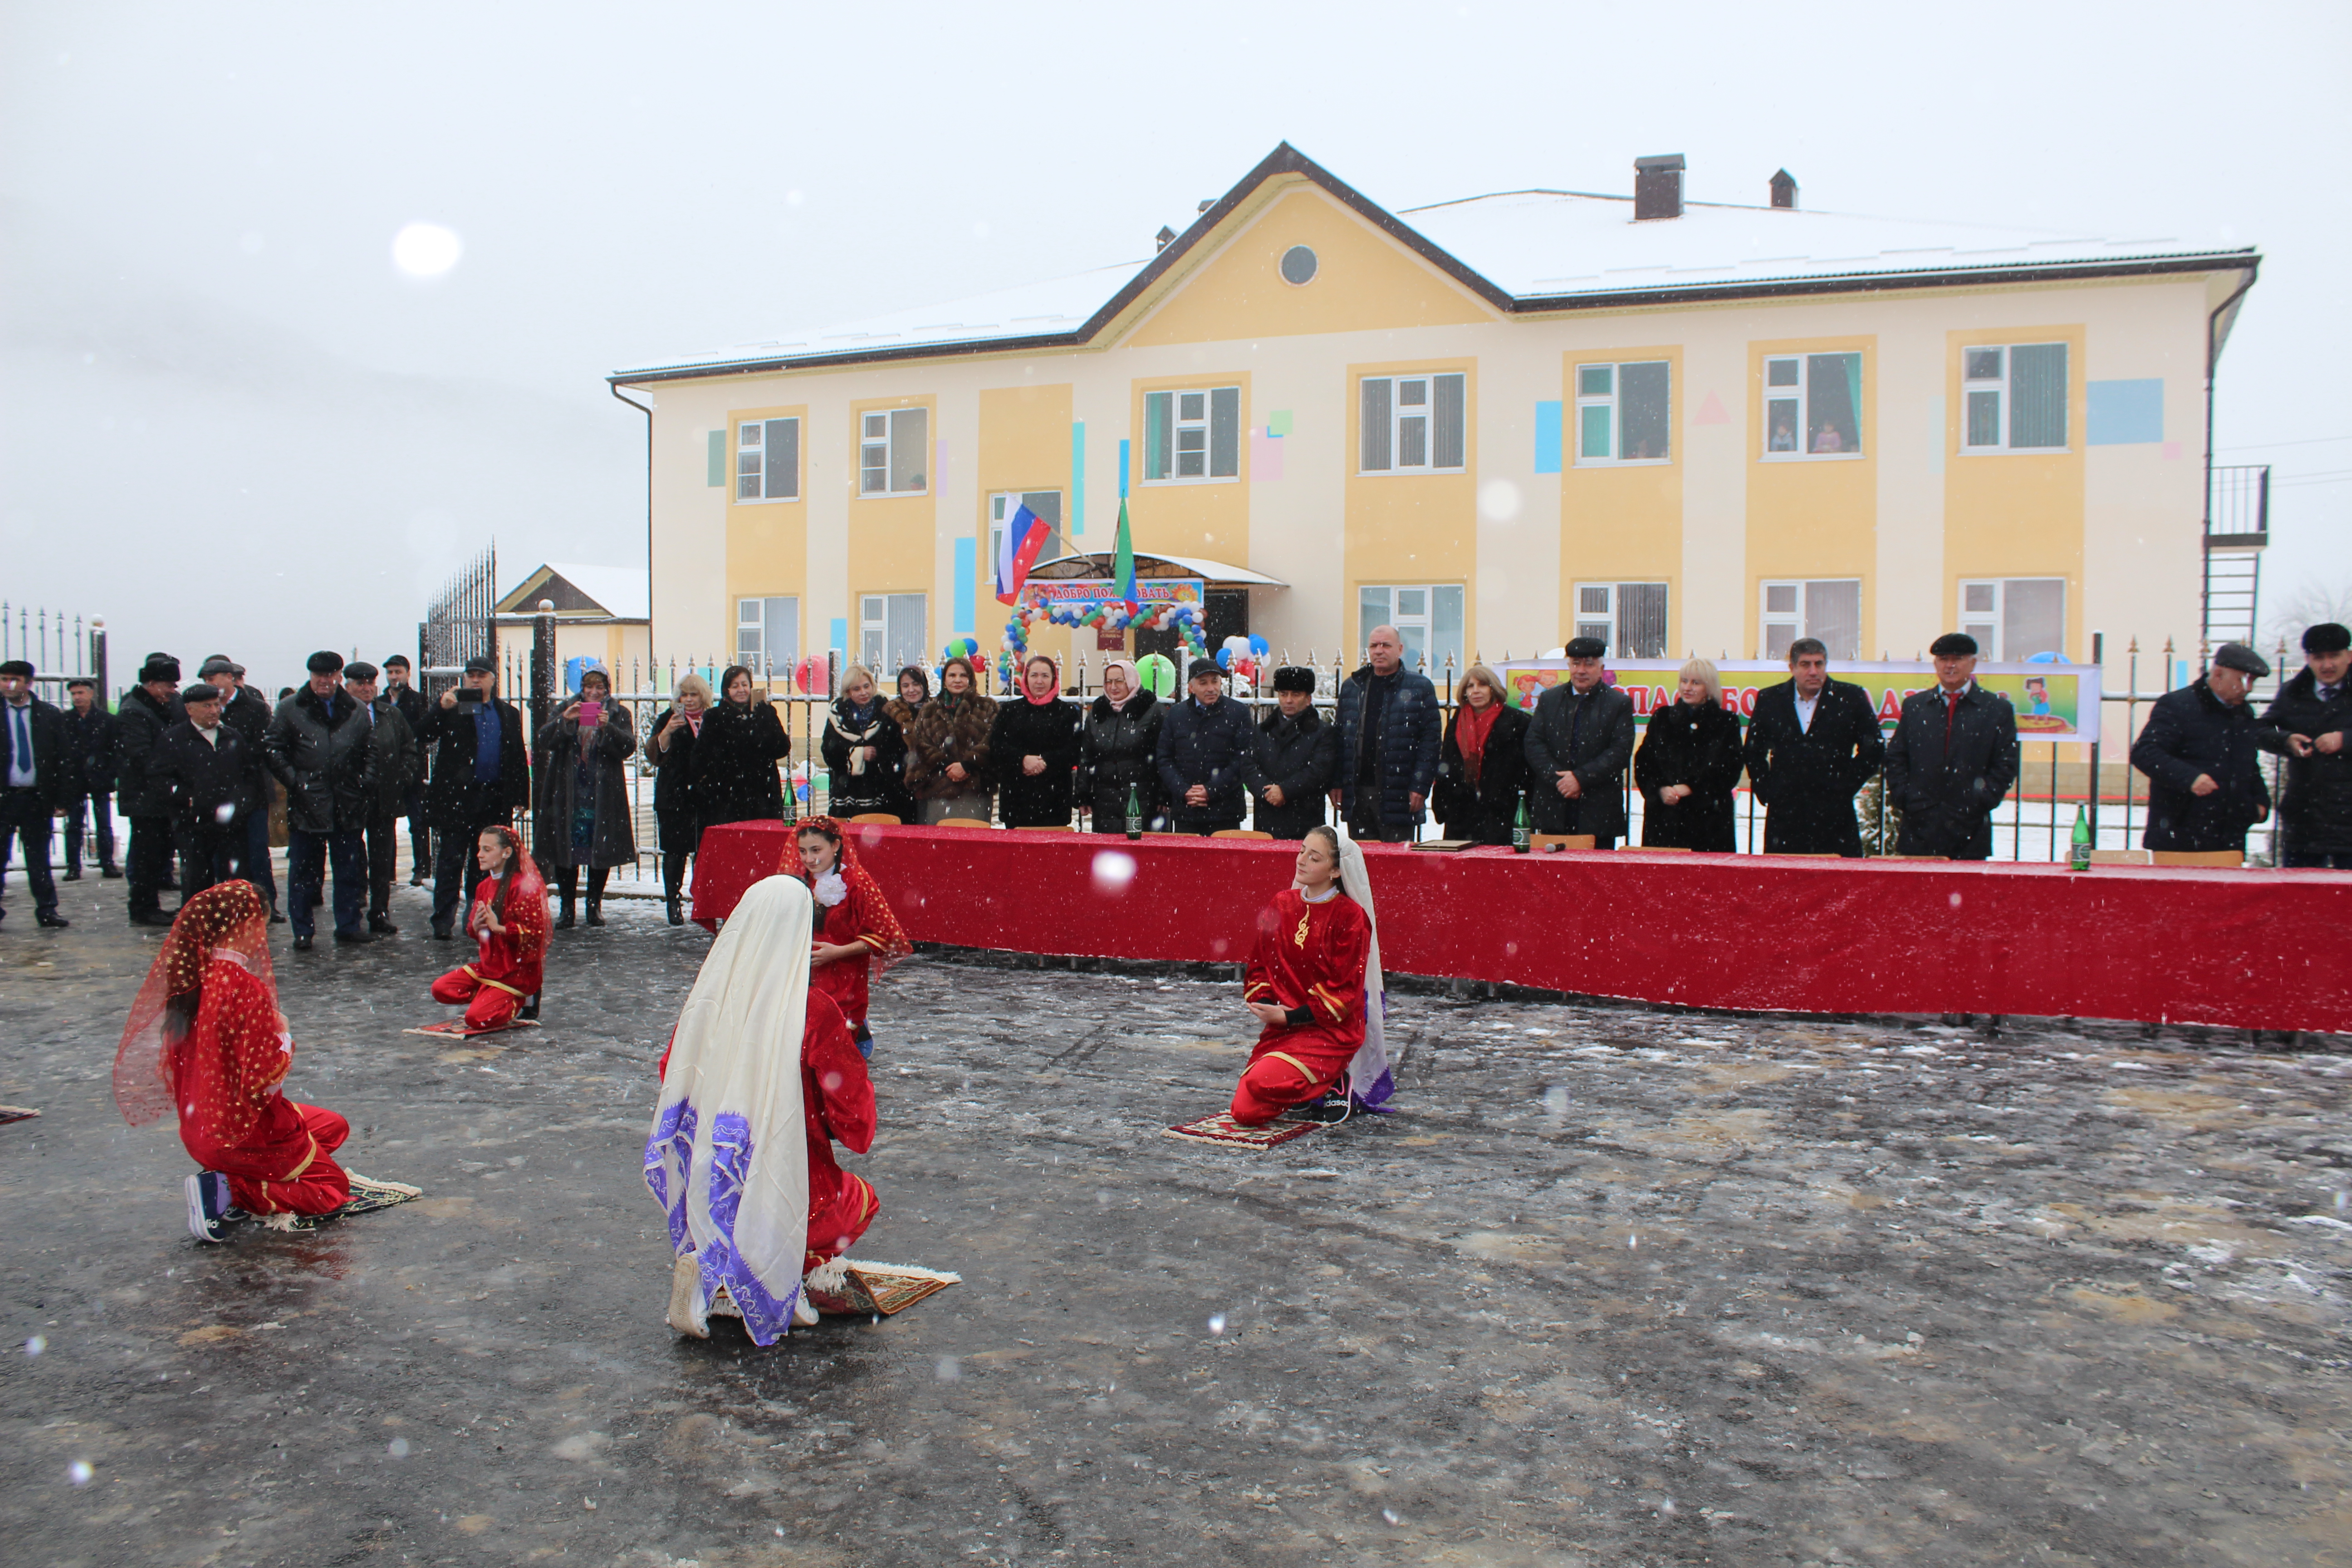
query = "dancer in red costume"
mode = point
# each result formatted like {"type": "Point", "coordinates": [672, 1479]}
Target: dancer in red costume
{"type": "Point", "coordinates": [509, 919]}
{"type": "Point", "coordinates": [838, 1104]}
{"type": "Point", "coordinates": [1306, 983]}
{"type": "Point", "coordinates": [858, 939]}
{"type": "Point", "coordinates": [205, 1039]}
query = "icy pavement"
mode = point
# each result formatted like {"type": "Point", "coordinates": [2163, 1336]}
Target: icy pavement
{"type": "Point", "coordinates": [1615, 1287]}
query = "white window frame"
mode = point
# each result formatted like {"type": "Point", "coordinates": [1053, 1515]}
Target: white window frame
{"type": "Point", "coordinates": [751, 626]}
{"type": "Point", "coordinates": [1608, 400]}
{"type": "Point", "coordinates": [1416, 626]}
{"type": "Point", "coordinates": [1801, 395]}
{"type": "Point", "coordinates": [1180, 426]}
{"type": "Point", "coordinates": [1998, 390]}
{"type": "Point", "coordinates": [755, 443]}
{"type": "Point", "coordinates": [888, 441]}
{"type": "Point", "coordinates": [1401, 417]}
{"type": "Point", "coordinates": [1586, 621]}
{"type": "Point", "coordinates": [1989, 622]}
{"type": "Point", "coordinates": [1800, 620]}
{"type": "Point", "coordinates": [874, 648]}
{"type": "Point", "coordinates": [1003, 504]}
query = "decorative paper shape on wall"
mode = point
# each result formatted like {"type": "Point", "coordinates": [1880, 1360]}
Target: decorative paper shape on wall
{"type": "Point", "coordinates": [1265, 455]}
{"type": "Point", "coordinates": [1278, 422]}
{"type": "Point", "coordinates": [1547, 436]}
{"type": "Point", "coordinates": [2125, 413]}
{"type": "Point", "coordinates": [1711, 412]}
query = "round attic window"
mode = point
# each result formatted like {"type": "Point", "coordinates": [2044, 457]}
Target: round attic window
{"type": "Point", "coordinates": [1299, 265]}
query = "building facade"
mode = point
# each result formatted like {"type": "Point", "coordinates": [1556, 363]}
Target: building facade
{"type": "Point", "coordinates": [1497, 423]}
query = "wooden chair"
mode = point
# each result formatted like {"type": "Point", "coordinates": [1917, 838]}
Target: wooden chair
{"type": "Point", "coordinates": [1657, 848]}
{"type": "Point", "coordinates": [2121, 858]}
{"type": "Point", "coordinates": [961, 822]}
{"type": "Point", "coordinates": [883, 817]}
{"type": "Point", "coordinates": [1239, 833]}
{"type": "Point", "coordinates": [1045, 827]}
{"type": "Point", "coordinates": [1540, 842]}
{"type": "Point", "coordinates": [2227, 860]}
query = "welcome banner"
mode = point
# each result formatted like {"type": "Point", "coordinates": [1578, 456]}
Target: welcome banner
{"type": "Point", "coordinates": [2053, 701]}
{"type": "Point", "coordinates": [1084, 593]}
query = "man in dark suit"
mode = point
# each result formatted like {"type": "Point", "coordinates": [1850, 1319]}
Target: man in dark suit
{"type": "Point", "coordinates": [2308, 723]}
{"type": "Point", "coordinates": [34, 782]}
{"type": "Point", "coordinates": [89, 761]}
{"type": "Point", "coordinates": [1953, 758]}
{"type": "Point", "coordinates": [481, 777]}
{"type": "Point", "coordinates": [1578, 747]}
{"type": "Point", "coordinates": [411, 703]}
{"type": "Point", "coordinates": [212, 776]}
{"type": "Point", "coordinates": [1813, 742]}
{"type": "Point", "coordinates": [146, 711]}
{"type": "Point", "coordinates": [2201, 753]}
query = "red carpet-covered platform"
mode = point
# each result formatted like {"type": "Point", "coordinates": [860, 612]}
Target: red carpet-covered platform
{"type": "Point", "coordinates": [2263, 950]}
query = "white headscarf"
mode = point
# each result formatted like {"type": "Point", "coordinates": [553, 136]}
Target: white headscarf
{"type": "Point", "coordinates": [1368, 1070]}
{"type": "Point", "coordinates": [728, 1156]}
{"type": "Point", "coordinates": [1134, 684]}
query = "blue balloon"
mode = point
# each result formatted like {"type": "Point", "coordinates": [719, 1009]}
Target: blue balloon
{"type": "Point", "coordinates": [1224, 658]}
{"type": "Point", "coordinates": [1259, 648]}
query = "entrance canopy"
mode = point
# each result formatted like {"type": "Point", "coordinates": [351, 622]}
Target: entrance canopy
{"type": "Point", "coordinates": [1213, 573]}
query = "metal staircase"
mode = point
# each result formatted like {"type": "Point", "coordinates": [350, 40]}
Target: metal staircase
{"type": "Point", "coordinates": [2237, 528]}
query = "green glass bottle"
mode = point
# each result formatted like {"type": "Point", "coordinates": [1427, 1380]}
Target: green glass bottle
{"type": "Point", "coordinates": [2079, 858]}
{"type": "Point", "coordinates": [1520, 827]}
{"type": "Point", "coordinates": [1134, 813]}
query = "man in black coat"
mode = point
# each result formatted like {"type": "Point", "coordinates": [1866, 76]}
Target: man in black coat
{"type": "Point", "coordinates": [89, 762]}
{"type": "Point", "coordinates": [1578, 746]}
{"type": "Point", "coordinates": [1208, 755]}
{"type": "Point", "coordinates": [398, 767]}
{"type": "Point", "coordinates": [1953, 758]}
{"type": "Point", "coordinates": [1298, 754]}
{"type": "Point", "coordinates": [320, 746]}
{"type": "Point", "coordinates": [2307, 723]}
{"type": "Point", "coordinates": [146, 713]}
{"type": "Point", "coordinates": [481, 778]}
{"type": "Point", "coordinates": [1811, 743]}
{"type": "Point", "coordinates": [244, 711]}
{"type": "Point", "coordinates": [1390, 731]}
{"type": "Point", "coordinates": [214, 777]}
{"type": "Point", "coordinates": [413, 706]}
{"type": "Point", "coordinates": [34, 780]}
{"type": "Point", "coordinates": [2201, 752]}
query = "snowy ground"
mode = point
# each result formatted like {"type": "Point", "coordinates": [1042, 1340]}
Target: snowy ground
{"type": "Point", "coordinates": [1615, 1287]}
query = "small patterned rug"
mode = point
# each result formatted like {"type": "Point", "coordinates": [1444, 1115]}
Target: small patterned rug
{"type": "Point", "coordinates": [455, 1029]}
{"type": "Point", "coordinates": [872, 1289]}
{"type": "Point", "coordinates": [1222, 1129]}
{"type": "Point", "coordinates": [368, 1194]}
{"type": "Point", "coordinates": [15, 1113]}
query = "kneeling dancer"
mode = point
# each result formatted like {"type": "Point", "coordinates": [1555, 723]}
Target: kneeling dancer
{"type": "Point", "coordinates": [205, 1039]}
{"type": "Point", "coordinates": [508, 917]}
{"type": "Point", "coordinates": [1314, 981]}
{"type": "Point", "coordinates": [759, 1079]}
{"type": "Point", "coordinates": [858, 939]}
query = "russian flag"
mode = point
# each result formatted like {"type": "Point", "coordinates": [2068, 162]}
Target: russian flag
{"type": "Point", "coordinates": [1024, 540]}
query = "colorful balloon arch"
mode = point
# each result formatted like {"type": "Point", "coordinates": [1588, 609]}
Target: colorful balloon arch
{"type": "Point", "coordinates": [1111, 615]}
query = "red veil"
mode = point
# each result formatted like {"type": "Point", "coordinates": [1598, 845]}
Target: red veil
{"type": "Point", "coordinates": [867, 907]}
{"type": "Point", "coordinates": [227, 922]}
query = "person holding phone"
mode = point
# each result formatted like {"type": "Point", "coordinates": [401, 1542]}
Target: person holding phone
{"type": "Point", "coordinates": [582, 811]}
{"type": "Point", "coordinates": [481, 777]}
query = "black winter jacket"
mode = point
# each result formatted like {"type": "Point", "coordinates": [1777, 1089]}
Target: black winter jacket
{"type": "Point", "coordinates": [881, 786]}
{"type": "Point", "coordinates": [89, 751]}
{"type": "Point", "coordinates": [1026, 729]}
{"type": "Point", "coordinates": [249, 714]}
{"type": "Point", "coordinates": [1119, 749]}
{"type": "Point", "coordinates": [735, 762]}
{"type": "Point", "coordinates": [1698, 747]}
{"type": "Point", "coordinates": [214, 784]}
{"type": "Point", "coordinates": [397, 755]}
{"type": "Point", "coordinates": [455, 801]}
{"type": "Point", "coordinates": [2315, 804]}
{"type": "Point", "coordinates": [1410, 740]}
{"type": "Point", "coordinates": [1302, 756]}
{"type": "Point", "coordinates": [1484, 811]}
{"type": "Point", "coordinates": [139, 724]}
{"type": "Point", "coordinates": [672, 761]}
{"type": "Point", "coordinates": [53, 771]}
{"type": "Point", "coordinates": [1212, 746]}
{"type": "Point", "coordinates": [326, 763]}
{"type": "Point", "coordinates": [1947, 798]}
{"type": "Point", "coordinates": [2188, 733]}
{"type": "Point", "coordinates": [1807, 778]}
{"type": "Point", "coordinates": [1596, 749]}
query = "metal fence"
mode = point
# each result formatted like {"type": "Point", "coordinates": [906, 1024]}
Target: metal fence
{"type": "Point", "coordinates": [58, 647]}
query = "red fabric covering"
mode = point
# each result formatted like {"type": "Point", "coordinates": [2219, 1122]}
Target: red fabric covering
{"type": "Point", "coordinates": [221, 933]}
{"type": "Point", "coordinates": [1311, 956]}
{"type": "Point", "coordinates": [284, 1163]}
{"type": "Point", "coordinates": [837, 1098]}
{"type": "Point", "coordinates": [2263, 950]}
{"type": "Point", "coordinates": [487, 1005]}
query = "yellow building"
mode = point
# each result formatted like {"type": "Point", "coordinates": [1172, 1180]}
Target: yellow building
{"type": "Point", "coordinates": [601, 620]}
{"type": "Point", "coordinates": [1497, 423]}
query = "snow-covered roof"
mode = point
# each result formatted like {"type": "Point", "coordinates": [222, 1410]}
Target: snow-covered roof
{"type": "Point", "coordinates": [623, 593]}
{"type": "Point", "coordinates": [1523, 252]}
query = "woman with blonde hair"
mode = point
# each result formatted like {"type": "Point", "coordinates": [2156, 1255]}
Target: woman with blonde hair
{"type": "Point", "coordinates": [670, 749]}
{"type": "Point", "coordinates": [1482, 769]}
{"type": "Point", "coordinates": [1688, 765]}
{"type": "Point", "coordinates": [865, 750]}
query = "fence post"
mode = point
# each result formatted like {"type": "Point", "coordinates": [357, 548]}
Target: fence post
{"type": "Point", "coordinates": [543, 666]}
{"type": "Point", "coordinates": [2098, 728]}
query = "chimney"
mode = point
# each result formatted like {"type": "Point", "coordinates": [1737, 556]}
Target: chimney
{"type": "Point", "coordinates": [1658, 187]}
{"type": "Point", "coordinates": [1163, 237]}
{"type": "Point", "coordinates": [1784, 191]}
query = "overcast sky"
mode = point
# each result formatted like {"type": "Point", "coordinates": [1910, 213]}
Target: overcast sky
{"type": "Point", "coordinates": [229, 422]}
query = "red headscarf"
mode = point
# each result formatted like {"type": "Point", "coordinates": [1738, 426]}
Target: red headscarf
{"type": "Point", "coordinates": [1470, 729]}
{"type": "Point", "coordinates": [1051, 697]}
{"type": "Point", "coordinates": [226, 924]}
{"type": "Point", "coordinates": [523, 907]}
{"type": "Point", "coordinates": [866, 905]}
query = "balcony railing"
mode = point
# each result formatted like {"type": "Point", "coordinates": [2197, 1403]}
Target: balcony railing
{"type": "Point", "coordinates": [2238, 507]}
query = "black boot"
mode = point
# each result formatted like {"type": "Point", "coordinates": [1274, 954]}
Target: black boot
{"type": "Point", "coordinates": [677, 915]}
{"type": "Point", "coordinates": [564, 920]}
{"type": "Point", "coordinates": [596, 910]}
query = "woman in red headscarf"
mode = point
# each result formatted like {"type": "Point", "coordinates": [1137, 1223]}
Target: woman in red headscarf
{"type": "Point", "coordinates": [858, 939]}
{"type": "Point", "coordinates": [509, 920]}
{"type": "Point", "coordinates": [205, 1039]}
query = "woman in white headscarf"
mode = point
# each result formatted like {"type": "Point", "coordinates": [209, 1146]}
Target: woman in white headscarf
{"type": "Point", "coordinates": [1118, 750]}
{"type": "Point", "coordinates": [1313, 981]}
{"type": "Point", "coordinates": [761, 1077]}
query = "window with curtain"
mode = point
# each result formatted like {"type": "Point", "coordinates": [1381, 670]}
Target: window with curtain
{"type": "Point", "coordinates": [1828, 608]}
{"type": "Point", "coordinates": [1428, 619]}
{"type": "Point", "coordinates": [768, 459]}
{"type": "Point", "coordinates": [1630, 618]}
{"type": "Point", "coordinates": [2013, 399]}
{"type": "Point", "coordinates": [894, 451]}
{"type": "Point", "coordinates": [1622, 413]}
{"type": "Point", "coordinates": [2014, 619]}
{"type": "Point", "coordinates": [1192, 437]}
{"type": "Point", "coordinates": [1414, 424]}
{"type": "Point", "coordinates": [1812, 406]}
{"type": "Point", "coordinates": [767, 632]}
{"type": "Point", "coordinates": [890, 633]}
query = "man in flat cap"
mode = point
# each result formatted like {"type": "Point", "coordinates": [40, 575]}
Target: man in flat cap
{"type": "Point", "coordinates": [1578, 746]}
{"type": "Point", "coordinates": [320, 747]}
{"type": "Point", "coordinates": [89, 768]}
{"type": "Point", "coordinates": [144, 797]}
{"type": "Point", "coordinates": [244, 711]}
{"type": "Point", "coordinates": [481, 777]}
{"type": "Point", "coordinates": [1298, 754]}
{"type": "Point", "coordinates": [35, 782]}
{"type": "Point", "coordinates": [396, 767]}
{"type": "Point", "coordinates": [2307, 723]}
{"type": "Point", "coordinates": [2201, 752]}
{"type": "Point", "coordinates": [1391, 732]}
{"type": "Point", "coordinates": [213, 774]}
{"type": "Point", "coordinates": [1952, 759]}
{"type": "Point", "coordinates": [1208, 754]}
{"type": "Point", "coordinates": [412, 705]}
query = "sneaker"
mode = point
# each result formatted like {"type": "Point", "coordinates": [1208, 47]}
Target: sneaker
{"type": "Point", "coordinates": [209, 1209]}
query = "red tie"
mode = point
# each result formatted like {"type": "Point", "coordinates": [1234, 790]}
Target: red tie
{"type": "Point", "coordinates": [1951, 706]}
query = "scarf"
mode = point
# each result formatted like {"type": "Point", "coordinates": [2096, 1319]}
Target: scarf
{"type": "Point", "coordinates": [226, 924]}
{"type": "Point", "coordinates": [866, 721]}
{"type": "Point", "coordinates": [1369, 1079]}
{"type": "Point", "coordinates": [1134, 685]}
{"type": "Point", "coordinates": [1051, 697]}
{"type": "Point", "coordinates": [1471, 728]}
{"type": "Point", "coordinates": [850, 881]}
